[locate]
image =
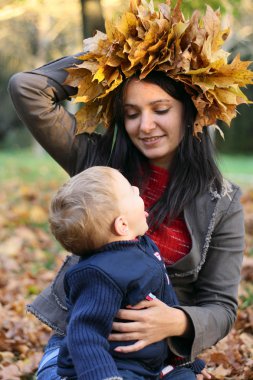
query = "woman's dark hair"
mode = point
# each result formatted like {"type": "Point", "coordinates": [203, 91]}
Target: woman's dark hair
{"type": "Point", "coordinates": [193, 169]}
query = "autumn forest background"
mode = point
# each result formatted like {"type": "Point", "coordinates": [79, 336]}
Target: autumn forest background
{"type": "Point", "coordinates": [32, 32]}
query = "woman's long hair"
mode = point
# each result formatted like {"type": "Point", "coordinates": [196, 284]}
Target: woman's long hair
{"type": "Point", "coordinates": [193, 169]}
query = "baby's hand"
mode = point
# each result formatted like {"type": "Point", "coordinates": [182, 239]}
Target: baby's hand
{"type": "Point", "coordinates": [204, 375]}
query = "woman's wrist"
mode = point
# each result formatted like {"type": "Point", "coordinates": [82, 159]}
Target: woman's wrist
{"type": "Point", "coordinates": [183, 325]}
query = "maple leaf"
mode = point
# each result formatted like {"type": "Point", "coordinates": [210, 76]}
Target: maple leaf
{"type": "Point", "coordinates": [88, 117]}
{"type": "Point", "coordinates": [142, 40]}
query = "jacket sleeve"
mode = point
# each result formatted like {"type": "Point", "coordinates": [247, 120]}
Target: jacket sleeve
{"type": "Point", "coordinates": [37, 97]}
{"type": "Point", "coordinates": [96, 300]}
{"type": "Point", "coordinates": [216, 287]}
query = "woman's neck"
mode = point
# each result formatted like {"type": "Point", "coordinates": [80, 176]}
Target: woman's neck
{"type": "Point", "coordinates": [163, 162]}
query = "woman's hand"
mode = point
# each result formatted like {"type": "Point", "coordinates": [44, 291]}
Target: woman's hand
{"type": "Point", "coordinates": [152, 322]}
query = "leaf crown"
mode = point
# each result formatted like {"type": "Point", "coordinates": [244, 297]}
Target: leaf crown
{"type": "Point", "coordinates": [142, 40]}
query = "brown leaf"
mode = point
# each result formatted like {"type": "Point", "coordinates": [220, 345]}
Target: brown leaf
{"type": "Point", "coordinates": [219, 358]}
{"type": "Point", "coordinates": [247, 269]}
{"type": "Point", "coordinates": [10, 372]}
{"type": "Point", "coordinates": [220, 372]}
{"type": "Point", "coordinates": [88, 117]}
{"type": "Point", "coordinates": [143, 40]}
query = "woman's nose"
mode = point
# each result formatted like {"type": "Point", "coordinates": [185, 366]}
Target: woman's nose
{"type": "Point", "coordinates": [147, 124]}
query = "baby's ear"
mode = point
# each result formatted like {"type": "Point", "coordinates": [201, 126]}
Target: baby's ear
{"type": "Point", "coordinates": [121, 226]}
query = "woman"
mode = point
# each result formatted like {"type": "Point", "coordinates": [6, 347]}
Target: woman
{"type": "Point", "coordinates": [153, 137]}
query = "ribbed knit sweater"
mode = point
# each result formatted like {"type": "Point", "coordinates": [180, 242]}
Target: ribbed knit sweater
{"type": "Point", "coordinates": [173, 240]}
{"type": "Point", "coordinates": [120, 274]}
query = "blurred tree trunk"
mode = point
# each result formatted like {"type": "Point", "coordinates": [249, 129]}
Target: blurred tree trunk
{"type": "Point", "coordinates": [92, 17]}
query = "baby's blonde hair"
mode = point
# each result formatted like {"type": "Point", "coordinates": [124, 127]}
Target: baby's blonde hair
{"type": "Point", "coordinates": [83, 210]}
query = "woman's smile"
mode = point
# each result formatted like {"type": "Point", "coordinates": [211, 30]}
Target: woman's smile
{"type": "Point", "coordinates": [151, 140]}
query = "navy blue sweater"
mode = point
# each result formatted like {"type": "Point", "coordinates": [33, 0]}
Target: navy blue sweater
{"type": "Point", "coordinates": [117, 275]}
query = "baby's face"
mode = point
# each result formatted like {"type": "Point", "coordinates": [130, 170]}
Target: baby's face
{"type": "Point", "coordinates": [131, 205]}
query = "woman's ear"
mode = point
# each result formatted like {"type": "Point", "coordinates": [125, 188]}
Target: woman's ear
{"type": "Point", "coordinates": [121, 226]}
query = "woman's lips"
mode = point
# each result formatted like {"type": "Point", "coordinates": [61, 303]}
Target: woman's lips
{"type": "Point", "coordinates": [150, 140]}
{"type": "Point", "coordinates": [146, 213]}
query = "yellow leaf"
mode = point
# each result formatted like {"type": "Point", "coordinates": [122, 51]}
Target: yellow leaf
{"type": "Point", "coordinates": [91, 44]}
{"type": "Point", "coordinates": [38, 215]}
{"type": "Point", "coordinates": [88, 117]}
{"type": "Point", "coordinates": [127, 25]}
{"type": "Point", "coordinates": [77, 75]}
{"type": "Point", "coordinates": [89, 66]}
{"type": "Point", "coordinates": [114, 81]}
{"type": "Point", "coordinates": [113, 33]}
{"type": "Point", "coordinates": [143, 40]}
{"type": "Point", "coordinates": [114, 61]}
{"type": "Point", "coordinates": [238, 72]}
{"type": "Point", "coordinates": [99, 76]}
{"type": "Point", "coordinates": [88, 89]}
{"type": "Point", "coordinates": [230, 95]}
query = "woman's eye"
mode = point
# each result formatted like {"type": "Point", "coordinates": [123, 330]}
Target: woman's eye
{"type": "Point", "coordinates": [161, 112]}
{"type": "Point", "coordinates": [131, 116]}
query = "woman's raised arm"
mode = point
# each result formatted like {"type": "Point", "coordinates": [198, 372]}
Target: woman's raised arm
{"type": "Point", "coordinates": [36, 96]}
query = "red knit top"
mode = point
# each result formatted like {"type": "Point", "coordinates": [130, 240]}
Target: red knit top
{"type": "Point", "coordinates": [174, 241]}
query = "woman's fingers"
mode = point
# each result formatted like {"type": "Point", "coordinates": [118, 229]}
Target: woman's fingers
{"type": "Point", "coordinates": [131, 315]}
{"type": "Point", "coordinates": [126, 337]}
{"type": "Point", "coordinates": [144, 304]}
{"type": "Point", "coordinates": [126, 327]}
{"type": "Point", "coordinates": [150, 322]}
{"type": "Point", "coordinates": [131, 348]}
{"type": "Point", "coordinates": [126, 331]}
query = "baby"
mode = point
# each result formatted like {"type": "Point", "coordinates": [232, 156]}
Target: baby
{"type": "Point", "coordinates": [100, 217]}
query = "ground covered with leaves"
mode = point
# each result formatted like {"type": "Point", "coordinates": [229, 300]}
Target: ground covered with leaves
{"type": "Point", "coordinates": [29, 258]}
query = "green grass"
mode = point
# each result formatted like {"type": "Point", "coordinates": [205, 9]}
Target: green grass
{"type": "Point", "coordinates": [30, 167]}
{"type": "Point", "coordinates": [237, 168]}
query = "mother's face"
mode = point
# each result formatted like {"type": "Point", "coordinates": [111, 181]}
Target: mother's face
{"type": "Point", "coordinates": [153, 120]}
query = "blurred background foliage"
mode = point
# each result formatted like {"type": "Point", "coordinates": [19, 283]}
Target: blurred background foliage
{"type": "Point", "coordinates": [33, 32]}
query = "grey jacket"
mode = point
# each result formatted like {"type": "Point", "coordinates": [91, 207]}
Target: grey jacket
{"type": "Point", "coordinates": [206, 280]}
